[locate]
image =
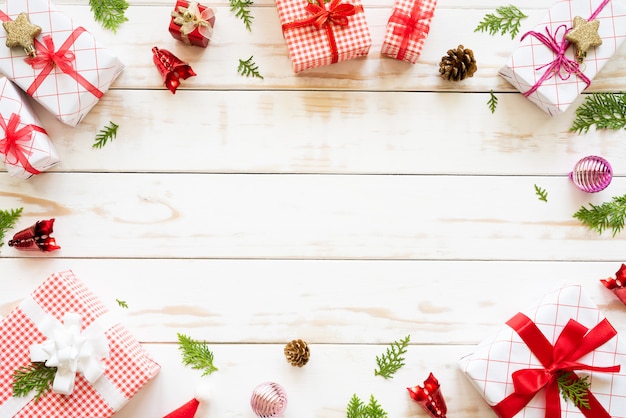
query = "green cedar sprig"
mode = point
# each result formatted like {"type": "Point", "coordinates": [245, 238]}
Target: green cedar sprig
{"type": "Point", "coordinates": [493, 101]}
{"type": "Point", "coordinates": [604, 110]}
{"type": "Point", "coordinates": [8, 218]}
{"type": "Point", "coordinates": [542, 194]}
{"type": "Point", "coordinates": [505, 19]}
{"type": "Point", "coordinates": [607, 215]}
{"type": "Point", "coordinates": [241, 9]}
{"type": "Point", "coordinates": [35, 376]}
{"type": "Point", "coordinates": [391, 361]}
{"type": "Point", "coordinates": [196, 354]}
{"type": "Point", "coordinates": [110, 13]}
{"type": "Point", "coordinates": [575, 389]}
{"type": "Point", "coordinates": [122, 303]}
{"type": "Point", "coordinates": [105, 134]}
{"type": "Point", "coordinates": [358, 409]}
{"type": "Point", "coordinates": [249, 68]}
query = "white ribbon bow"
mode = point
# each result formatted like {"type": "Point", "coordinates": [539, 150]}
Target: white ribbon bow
{"type": "Point", "coordinates": [70, 351]}
{"type": "Point", "coordinates": [190, 18]}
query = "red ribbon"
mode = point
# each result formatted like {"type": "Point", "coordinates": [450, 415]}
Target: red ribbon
{"type": "Point", "coordinates": [47, 59]}
{"type": "Point", "coordinates": [10, 144]}
{"type": "Point", "coordinates": [336, 14]}
{"type": "Point", "coordinates": [410, 26]}
{"type": "Point", "coordinates": [575, 341]}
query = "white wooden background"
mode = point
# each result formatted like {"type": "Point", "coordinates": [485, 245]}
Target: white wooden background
{"type": "Point", "coordinates": [348, 205]}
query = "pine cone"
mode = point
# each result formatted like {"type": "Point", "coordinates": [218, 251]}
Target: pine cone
{"type": "Point", "coordinates": [458, 64]}
{"type": "Point", "coordinates": [297, 353]}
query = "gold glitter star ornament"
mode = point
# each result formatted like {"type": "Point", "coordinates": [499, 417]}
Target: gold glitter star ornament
{"type": "Point", "coordinates": [21, 32]}
{"type": "Point", "coordinates": [584, 35]}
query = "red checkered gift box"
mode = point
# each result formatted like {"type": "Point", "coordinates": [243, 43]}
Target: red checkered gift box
{"type": "Point", "coordinates": [407, 29]}
{"type": "Point", "coordinates": [544, 67]}
{"type": "Point", "coordinates": [25, 146]}
{"type": "Point", "coordinates": [516, 370]}
{"type": "Point", "coordinates": [102, 385]}
{"type": "Point", "coordinates": [320, 33]}
{"type": "Point", "coordinates": [71, 71]}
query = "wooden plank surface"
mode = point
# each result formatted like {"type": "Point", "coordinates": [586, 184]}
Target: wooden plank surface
{"type": "Point", "coordinates": [349, 205]}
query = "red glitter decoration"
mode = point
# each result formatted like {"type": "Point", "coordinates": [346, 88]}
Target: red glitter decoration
{"type": "Point", "coordinates": [430, 397]}
{"type": "Point", "coordinates": [171, 68]}
{"type": "Point", "coordinates": [36, 238]}
{"type": "Point", "coordinates": [617, 284]}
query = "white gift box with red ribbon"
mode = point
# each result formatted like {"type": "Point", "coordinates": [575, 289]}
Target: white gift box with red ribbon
{"type": "Point", "coordinates": [25, 146]}
{"type": "Point", "coordinates": [494, 363]}
{"type": "Point", "coordinates": [551, 80]}
{"type": "Point", "coordinates": [100, 365]}
{"type": "Point", "coordinates": [81, 71]}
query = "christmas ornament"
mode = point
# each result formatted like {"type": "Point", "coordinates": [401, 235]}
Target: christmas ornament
{"type": "Point", "coordinates": [458, 64]}
{"type": "Point", "coordinates": [171, 68]}
{"type": "Point", "coordinates": [21, 32]}
{"type": "Point", "coordinates": [269, 400]}
{"type": "Point", "coordinates": [429, 397]}
{"type": "Point", "coordinates": [617, 284]}
{"type": "Point", "coordinates": [584, 35]}
{"type": "Point", "coordinates": [36, 238]}
{"type": "Point", "coordinates": [592, 174]}
{"type": "Point", "coordinates": [297, 353]}
{"type": "Point", "coordinates": [188, 410]}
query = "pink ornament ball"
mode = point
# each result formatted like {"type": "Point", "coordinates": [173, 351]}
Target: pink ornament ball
{"type": "Point", "coordinates": [269, 400]}
{"type": "Point", "coordinates": [592, 174]}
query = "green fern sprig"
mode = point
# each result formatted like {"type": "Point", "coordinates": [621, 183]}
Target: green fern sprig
{"type": "Point", "coordinates": [35, 376]}
{"type": "Point", "coordinates": [249, 68]}
{"type": "Point", "coordinates": [505, 19]}
{"type": "Point", "coordinates": [196, 354]}
{"type": "Point", "coordinates": [391, 361]}
{"type": "Point", "coordinates": [110, 13]}
{"type": "Point", "coordinates": [8, 218]}
{"type": "Point", "coordinates": [122, 303]}
{"type": "Point", "coordinates": [607, 215]}
{"type": "Point", "coordinates": [604, 110]}
{"type": "Point", "coordinates": [542, 194]}
{"type": "Point", "coordinates": [358, 409]}
{"type": "Point", "coordinates": [241, 9]}
{"type": "Point", "coordinates": [575, 389]}
{"type": "Point", "coordinates": [492, 102]}
{"type": "Point", "coordinates": [107, 133]}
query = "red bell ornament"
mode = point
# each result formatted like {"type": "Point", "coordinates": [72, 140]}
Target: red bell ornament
{"type": "Point", "coordinates": [429, 397]}
{"type": "Point", "coordinates": [36, 238]}
{"type": "Point", "coordinates": [171, 68]}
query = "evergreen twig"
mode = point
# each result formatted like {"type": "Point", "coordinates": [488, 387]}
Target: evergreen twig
{"type": "Point", "coordinates": [542, 194]}
{"type": "Point", "coordinates": [391, 361]}
{"type": "Point", "coordinates": [607, 215]}
{"type": "Point", "coordinates": [358, 409]}
{"type": "Point", "coordinates": [196, 354]}
{"type": "Point", "coordinates": [241, 9]}
{"type": "Point", "coordinates": [35, 376]}
{"type": "Point", "coordinates": [505, 19]}
{"type": "Point", "coordinates": [122, 303]}
{"type": "Point", "coordinates": [105, 134]}
{"type": "Point", "coordinates": [604, 110]}
{"type": "Point", "coordinates": [8, 218]}
{"type": "Point", "coordinates": [493, 101]}
{"type": "Point", "coordinates": [249, 68]}
{"type": "Point", "coordinates": [110, 13]}
{"type": "Point", "coordinates": [575, 389]}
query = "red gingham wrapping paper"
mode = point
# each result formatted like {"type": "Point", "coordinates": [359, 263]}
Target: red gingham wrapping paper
{"type": "Point", "coordinates": [554, 96]}
{"type": "Point", "coordinates": [491, 365]}
{"type": "Point", "coordinates": [392, 42]}
{"type": "Point", "coordinates": [59, 93]}
{"type": "Point", "coordinates": [128, 366]}
{"type": "Point", "coordinates": [309, 47]}
{"type": "Point", "coordinates": [43, 155]}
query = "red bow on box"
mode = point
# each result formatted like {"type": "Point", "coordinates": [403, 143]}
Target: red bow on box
{"type": "Point", "coordinates": [11, 144]}
{"type": "Point", "coordinates": [575, 341]}
{"type": "Point", "coordinates": [410, 26]}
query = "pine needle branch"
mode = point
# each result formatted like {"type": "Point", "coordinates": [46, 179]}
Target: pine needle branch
{"type": "Point", "coordinates": [575, 389]}
{"type": "Point", "coordinates": [505, 19]}
{"type": "Point", "coordinates": [122, 303]}
{"type": "Point", "coordinates": [607, 215]}
{"type": "Point", "coordinates": [110, 13]}
{"type": "Point", "coordinates": [8, 218]}
{"type": "Point", "coordinates": [358, 409]}
{"type": "Point", "coordinates": [604, 110]}
{"type": "Point", "coordinates": [493, 101]}
{"type": "Point", "coordinates": [107, 133]}
{"type": "Point", "coordinates": [391, 361]}
{"type": "Point", "coordinates": [241, 9]}
{"type": "Point", "coordinates": [542, 194]}
{"type": "Point", "coordinates": [196, 354]}
{"type": "Point", "coordinates": [35, 376]}
{"type": "Point", "coordinates": [249, 68]}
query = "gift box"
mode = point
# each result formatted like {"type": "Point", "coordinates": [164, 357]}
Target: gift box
{"type": "Point", "coordinates": [320, 33]}
{"type": "Point", "coordinates": [24, 144]}
{"type": "Point", "coordinates": [517, 371]}
{"type": "Point", "coordinates": [100, 365]}
{"type": "Point", "coordinates": [545, 67]}
{"type": "Point", "coordinates": [407, 29]}
{"type": "Point", "coordinates": [70, 72]}
{"type": "Point", "coordinates": [192, 23]}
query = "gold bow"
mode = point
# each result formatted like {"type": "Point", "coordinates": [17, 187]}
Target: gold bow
{"type": "Point", "coordinates": [190, 18]}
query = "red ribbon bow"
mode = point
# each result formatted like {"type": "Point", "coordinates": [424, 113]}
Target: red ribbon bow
{"type": "Point", "coordinates": [410, 26]}
{"type": "Point", "coordinates": [10, 145]}
{"type": "Point", "coordinates": [575, 341]}
{"type": "Point", "coordinates": [321, 17]}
